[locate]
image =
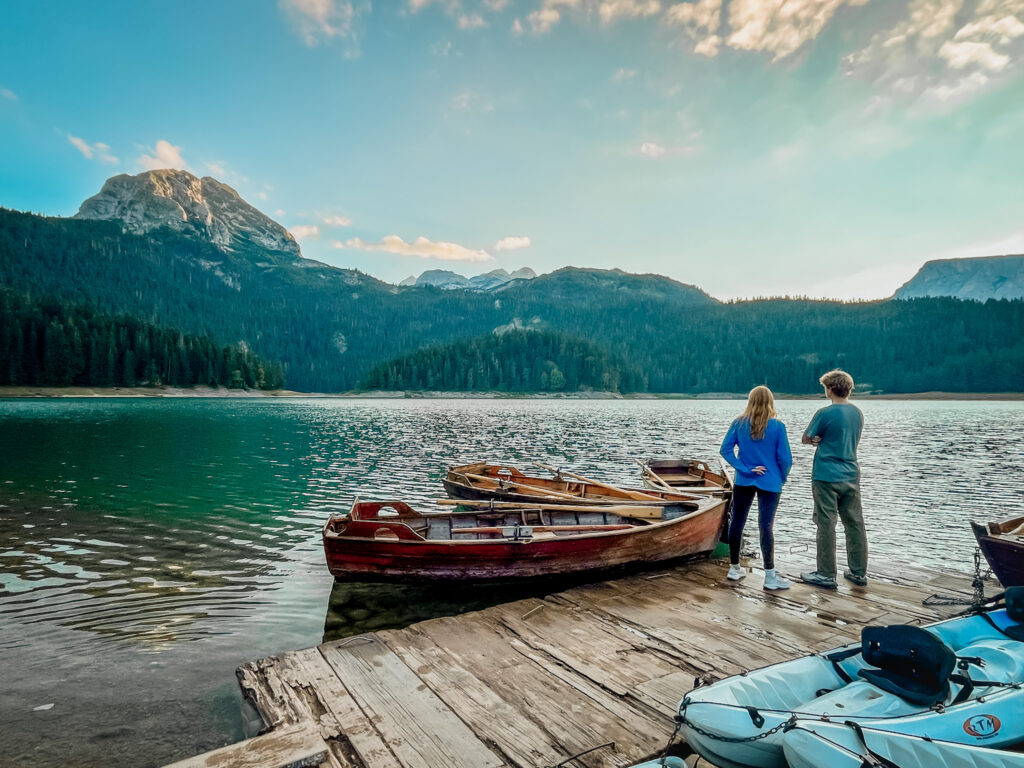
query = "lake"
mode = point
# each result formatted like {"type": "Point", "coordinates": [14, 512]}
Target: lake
{"type": "Point", "coordinates": [150, 546]}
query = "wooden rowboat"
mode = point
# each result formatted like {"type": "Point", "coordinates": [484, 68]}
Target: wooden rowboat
{"type": "Point", "coordinates": [1002, 544]}
{"type": "Point", "coordinates": [390, 541]}
{"type": "Point", "coordinates": [691, 475]}
{"type": "Point", "coordinates": [502, 482]}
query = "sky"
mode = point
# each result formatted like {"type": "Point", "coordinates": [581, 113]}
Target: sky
{"type": "Point", "coordinates": [821, 148]}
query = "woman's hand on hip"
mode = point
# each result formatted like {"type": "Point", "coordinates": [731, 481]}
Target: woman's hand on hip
{"type": "Point", "coordinates": [760, 469]}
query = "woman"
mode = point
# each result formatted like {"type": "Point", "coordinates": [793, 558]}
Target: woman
{"type": "Point", "coordinates": [761, 468]}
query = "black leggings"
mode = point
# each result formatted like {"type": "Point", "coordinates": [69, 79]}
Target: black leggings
{"type": "Point", "coordinates": [767, 502]}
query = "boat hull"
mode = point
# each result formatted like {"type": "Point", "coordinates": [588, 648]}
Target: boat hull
{"type": "Point", "coordinates": [415, 559]}
{"type": "Point", "coordinates": [1003, 551]}
{"type": "Point", "coordinates": [836, 745]}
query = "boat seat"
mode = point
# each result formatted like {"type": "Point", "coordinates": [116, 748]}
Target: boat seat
{"type": "Point", "coordinates": [910, 662]}
{"type": "Point", "coordinates": [1015, 610]}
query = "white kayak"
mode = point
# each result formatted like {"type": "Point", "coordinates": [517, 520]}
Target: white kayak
{"type": "Point", "coordinates": [837, 745]}
{"type": "Point", "coordinates": [930, 681]}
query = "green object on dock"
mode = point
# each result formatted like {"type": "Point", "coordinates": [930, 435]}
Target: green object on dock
{"type": "Point", "coordinates": [721, 549]}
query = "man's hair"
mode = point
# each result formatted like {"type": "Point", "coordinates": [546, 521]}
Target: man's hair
{"type": "Point", "coordinates": [840, 382]}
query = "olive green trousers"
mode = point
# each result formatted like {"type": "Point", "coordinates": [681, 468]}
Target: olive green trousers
{"type": "Point", "coordinates": [839, 501]}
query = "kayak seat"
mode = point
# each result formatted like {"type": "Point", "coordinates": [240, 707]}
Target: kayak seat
{"type": "Point", "coordinates": [1015, 610]}
{"type": "Point", "coordinates": [910, 663]}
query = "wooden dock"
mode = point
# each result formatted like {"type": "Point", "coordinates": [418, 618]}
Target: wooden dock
{"type": "Point", "coordinates": [532, 683]}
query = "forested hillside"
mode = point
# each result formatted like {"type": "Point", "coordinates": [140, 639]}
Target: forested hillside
{"type": "Point", "coordinates": [330, 327]}
{"type": "Point", "coordinates": [511, 361]}
{"type": "Point", "coordinates": [55, 344]}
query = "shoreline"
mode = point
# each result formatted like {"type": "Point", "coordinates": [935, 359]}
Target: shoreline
{"type": "Point", "coordinates": [221, 392]}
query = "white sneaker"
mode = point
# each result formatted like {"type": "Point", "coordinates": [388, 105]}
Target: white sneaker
{"type": "Point", "coordinates": [773, 581]}
{"type": "Point", "coordinates": [736, 572]}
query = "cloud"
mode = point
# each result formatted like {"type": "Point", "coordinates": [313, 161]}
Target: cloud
{"type": "Point", "coordinates": [421, 248]}
{"type": "Point", "coordinates": [944, 51]}
{"type": "Point", "coordinates": [963, 54]}
{"type": "Point", "coordinates": [779, 27]}
{"type": "Point", "coordinates": [98, 151]}
{"type": "Point", "coordinates": [305, 231]}
{"type": "Point", "coordinates": [320, 20]}
{"type": "Point", "coordinates": [654, 150]}
{"type": "Point", "coordinates": [471, 21]}
{"type": "Point", "coordinates": [337, 221]}
{"type": "Point", "coordinates": [651, 149]}
{"type": "Point", "coordinates": [701, 22]}
{"type": "Point", "coordinates": [542, 20]}
{"type": "Point", "coordinates": [610, 10]}
{"type": "Point", "coordinates": [495, 6]}
{"type": "Point", "coordinates": [165, 155]}
{"type": "Point", "coordinates": [471, 100]}
{"type": "Point", "coordinates": [517, 28]}
{"type": "Point", "coordinates": [512, 243]}
{"type": "Point", "coordinates": [6, 93]}
{"type": "Point", "coordinates": [261, 195]}
{"type": "Point", "coordinates": [623, 75]}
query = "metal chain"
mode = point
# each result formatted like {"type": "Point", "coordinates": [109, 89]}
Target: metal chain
{"type": "Point", "coordinates": [681, 720]}
{"type": "Point", "coordinates": [977, 583]}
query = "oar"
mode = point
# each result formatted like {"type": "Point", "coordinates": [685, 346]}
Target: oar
{"type": "Point", "coordinates": [547, 528]}
{"type": "Point", "coordinates": [536, 489]}
{"type": "Point", "coordinates": [650, 473]}
{"type": "Point", "coordinates": [634, 495]}
{"type": "Point", "coordinates": [639, 512]}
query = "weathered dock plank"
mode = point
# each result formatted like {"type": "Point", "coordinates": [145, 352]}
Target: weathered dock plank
{"type": "Point", "coordinates": [531, 684]}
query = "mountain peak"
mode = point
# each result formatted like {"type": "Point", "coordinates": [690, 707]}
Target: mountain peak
{"type": "Point", "coordinates": [183, 202]}
{"type": "Point", "coordinates": [446, 279]}
{"type": "Point", "coordinates": [979, 278]}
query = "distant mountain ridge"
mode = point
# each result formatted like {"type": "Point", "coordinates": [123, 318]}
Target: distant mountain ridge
{"type": "Point", "coordinates": [448, 280]}
{"type": "Point", "coordinates": [183, 202]}
{"type": "Point", "coordinates": [189, 254]}
{"type": "Point", "coordinates": [980, 279]}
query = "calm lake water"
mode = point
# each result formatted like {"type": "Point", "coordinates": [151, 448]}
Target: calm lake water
{"type": "Point", "coordinates": [149, 547]}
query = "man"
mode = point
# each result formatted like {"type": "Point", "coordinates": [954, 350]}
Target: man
{"type": "Point", "coordinates": [835, 482]}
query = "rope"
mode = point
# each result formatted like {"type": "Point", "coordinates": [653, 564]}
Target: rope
{"type": "Point", "coordinates": [584, 752]}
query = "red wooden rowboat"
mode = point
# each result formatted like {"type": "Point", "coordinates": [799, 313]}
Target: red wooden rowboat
{"type": "Point", "coordinates": [1002, 544]}
{"type": "Point", "coordinates": [390, 541]}
{"type": "Point", "coordinates": [503, 482]}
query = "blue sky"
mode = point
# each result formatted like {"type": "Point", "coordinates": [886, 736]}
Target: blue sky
{"type": "Point", "coordinates": [805, 147]}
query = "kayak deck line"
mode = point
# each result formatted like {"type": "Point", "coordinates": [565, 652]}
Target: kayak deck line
{"type": "Point", "coordinates": [519, 687]}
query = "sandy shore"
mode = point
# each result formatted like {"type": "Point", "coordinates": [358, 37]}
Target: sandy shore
{"type": "Point", "coordinates": [100, 392]}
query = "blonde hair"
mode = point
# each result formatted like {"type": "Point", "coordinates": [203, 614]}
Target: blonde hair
{"type": "Point", "coordinates": [760, 408]}
{"type": "Point", "coordinates": [840, 382]}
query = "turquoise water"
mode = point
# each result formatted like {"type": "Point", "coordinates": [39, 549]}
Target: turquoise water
{"type": "Point", "coordinates": [149, 547]}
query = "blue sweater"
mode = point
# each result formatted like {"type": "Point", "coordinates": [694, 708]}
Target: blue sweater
{"type": "Point", "coordinates": [771, 451]}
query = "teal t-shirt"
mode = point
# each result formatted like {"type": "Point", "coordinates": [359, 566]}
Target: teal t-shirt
{"type": "Point", "coordinates": [839, 426]}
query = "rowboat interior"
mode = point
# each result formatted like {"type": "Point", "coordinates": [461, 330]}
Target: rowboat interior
{"type": "Point", "coordinates": [1012, 527]}
{"type": "Point", "coordinates": [688, 474]}
{"type": "Point", "coordinates": [396, 520]}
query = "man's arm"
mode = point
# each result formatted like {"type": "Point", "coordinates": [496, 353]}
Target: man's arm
{"type": "Point", "coordinates": [810, 435]}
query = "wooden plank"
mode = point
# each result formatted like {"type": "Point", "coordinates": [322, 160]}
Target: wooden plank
{"type": "Point", "coordinates": [573, 713]}
{"type": "Point", "coordinates": [295, 746]}
{"type": "Point", "coordinates": [302, 687]}
{"type": "Point", "coordinates": [417, 726]}
{"type": "Point", "coordinates": [494, 720]}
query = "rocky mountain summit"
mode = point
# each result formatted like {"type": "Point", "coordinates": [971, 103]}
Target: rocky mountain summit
{"type": "Point", "coordinates": [185, 203]}
{"type": "Point", "coordinates": [982, 278]}
{"type": "Point", "coordinates": [448, 280]}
